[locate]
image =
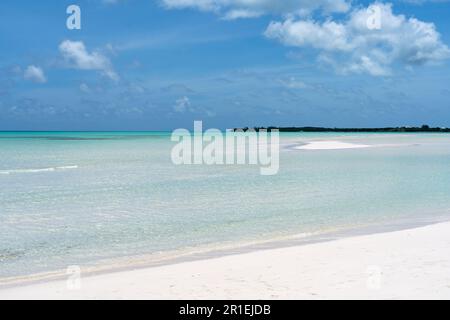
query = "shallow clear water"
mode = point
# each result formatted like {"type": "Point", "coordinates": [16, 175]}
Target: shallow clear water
{"type": "Point", "coordinates": [77, 198]}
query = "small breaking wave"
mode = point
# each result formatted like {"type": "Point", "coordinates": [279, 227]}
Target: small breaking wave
{"type": "Point", "coordinates": [51, 169]}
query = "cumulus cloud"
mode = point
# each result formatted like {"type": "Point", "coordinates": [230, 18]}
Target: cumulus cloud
{"type": "Point", "coordinates": [76, 54]}
{"type": "Point", "coordinates": [234, 9]}
{"type": "Point", "coordinates": [35, 74]}
{"type": "Point", "coordinates": [354, 46]}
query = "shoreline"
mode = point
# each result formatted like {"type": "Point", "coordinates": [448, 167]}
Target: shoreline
{"type": "Point", "coordinates": [218, 250]}
{"type": "Point", "coordinates": [45, 287]}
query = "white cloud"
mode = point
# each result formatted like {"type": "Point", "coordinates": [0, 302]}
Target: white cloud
{"type": "Point", "coordinates": [35, 74]}
{"type": "Point", "coordinates": [242, 14]}
{"type": "Point", "coordinates": [293, 83]}
{"type": "Point", "coordinates": [76, 54]}
{"type": "Point", "coordinates": [420, 2]}
{"type": "Point", "coordinates": [327, 36]}
{"type": "Point", "coordinates": [182, 105]}
{"type": "Point", "coordinates": [85, 88]}
{"type": "Point", "coordinates": [351, 46]}
{"type": "Point", "coordinates": [233, 9]}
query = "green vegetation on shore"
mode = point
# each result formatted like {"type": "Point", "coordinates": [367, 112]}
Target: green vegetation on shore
{"type": "Point", "coordinates": [423, 128]}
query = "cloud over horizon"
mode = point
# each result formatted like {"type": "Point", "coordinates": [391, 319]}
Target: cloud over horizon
{"type": "Point", "coordinates": [35, 74]}
{"type": "Point", "coordinates": [345, 42]}
{"type": "Point", "coordinates": [351, 46]}
{"type": "Point", "coordinates": [77, 56]}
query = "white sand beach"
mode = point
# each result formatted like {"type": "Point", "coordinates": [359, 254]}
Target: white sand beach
{"type": "Point", "coordinates": [407, 264]}
{"type": "Point", "coordinates": [330, 145]}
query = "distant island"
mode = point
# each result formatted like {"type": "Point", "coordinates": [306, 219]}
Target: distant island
{"type": "Point", "coordinates": [424, 128]}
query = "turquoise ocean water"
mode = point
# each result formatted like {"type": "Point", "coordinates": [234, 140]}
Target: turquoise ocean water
{"type": "Point", "coordinates": [80, 198]}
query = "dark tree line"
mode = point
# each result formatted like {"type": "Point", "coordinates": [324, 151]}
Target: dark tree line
{"type": "Point", "coordinates": [424, 128]}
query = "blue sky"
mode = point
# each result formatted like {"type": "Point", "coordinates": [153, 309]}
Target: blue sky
{"type": "Point", "coordinates": [161, 64]}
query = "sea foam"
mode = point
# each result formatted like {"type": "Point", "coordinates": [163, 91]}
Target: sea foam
{"type": "Point", "coordinates": [51, 169]}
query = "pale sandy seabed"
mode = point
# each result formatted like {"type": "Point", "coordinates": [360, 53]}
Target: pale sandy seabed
{"type": "Point", "coordinates": [407, 264]}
